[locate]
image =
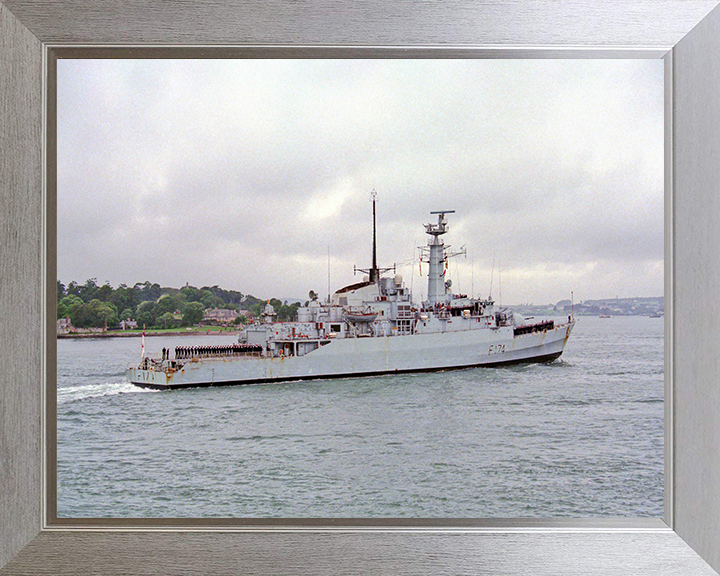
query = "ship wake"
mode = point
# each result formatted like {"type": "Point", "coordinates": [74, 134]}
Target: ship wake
{"type": "Point", "coordinates": [84, 392]}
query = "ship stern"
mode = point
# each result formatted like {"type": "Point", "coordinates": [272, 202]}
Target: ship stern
{"type": "Point", "coordinates": [147, 378]}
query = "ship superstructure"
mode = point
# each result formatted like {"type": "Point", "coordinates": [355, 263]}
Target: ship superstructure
{"type": "Point", "coordinates": [368, 328]}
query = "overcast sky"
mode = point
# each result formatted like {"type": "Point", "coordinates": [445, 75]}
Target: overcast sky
{"type": "Point", "coordinates": [248, 173]}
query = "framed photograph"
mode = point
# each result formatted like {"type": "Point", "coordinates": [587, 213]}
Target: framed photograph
{"type": "Point", "coordinates": [553, 170]}
{"type": "Point", "coordinates": [682, 540]}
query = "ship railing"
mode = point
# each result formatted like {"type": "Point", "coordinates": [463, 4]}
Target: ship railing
{"type": "Point", "coordinates": [148, 363]}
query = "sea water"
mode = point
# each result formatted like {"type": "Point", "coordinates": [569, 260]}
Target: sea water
{"type": "Point", "coordinates": [580, 437]}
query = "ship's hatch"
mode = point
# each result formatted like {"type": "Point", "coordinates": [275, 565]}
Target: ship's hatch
{"type": "Point", "coordinates": [305, 347]}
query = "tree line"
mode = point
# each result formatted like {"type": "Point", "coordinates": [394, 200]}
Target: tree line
{"type": "Point", "coordinates": [154, 306]}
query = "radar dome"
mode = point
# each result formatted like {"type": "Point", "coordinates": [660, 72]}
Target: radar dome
{"type": "Point", "coordinates": [398, 279]}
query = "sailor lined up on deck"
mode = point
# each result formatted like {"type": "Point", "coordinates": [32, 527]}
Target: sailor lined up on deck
{"type": "Point", "coordinates": [182, 352]}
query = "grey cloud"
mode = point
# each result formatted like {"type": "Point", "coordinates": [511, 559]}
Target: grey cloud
{"type": "Point", "coordinates": [244, 173]}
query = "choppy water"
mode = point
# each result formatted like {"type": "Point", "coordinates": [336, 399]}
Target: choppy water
{"type": "Point", "coordinates": [580, 437]}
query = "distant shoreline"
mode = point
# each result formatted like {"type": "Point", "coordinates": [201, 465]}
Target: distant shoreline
{"type": "Point", "coordinates": [122, 334]}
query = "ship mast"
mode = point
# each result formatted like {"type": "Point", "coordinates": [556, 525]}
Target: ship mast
{"type": "Point", "coordinates": [435, 253]}
{"type": "Point", "coordinates": [374, 271]}
{"type": "Point", "coordinates": [436, 258]}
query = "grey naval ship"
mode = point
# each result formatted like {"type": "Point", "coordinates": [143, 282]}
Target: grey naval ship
{"type": "Point", "coordinates": [368, 328]}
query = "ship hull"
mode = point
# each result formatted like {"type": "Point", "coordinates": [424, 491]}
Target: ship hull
{"type": "Point", "coordinates": [353, 357]}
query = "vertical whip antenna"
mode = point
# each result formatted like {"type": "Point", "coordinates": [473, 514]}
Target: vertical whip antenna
{"type": "Point", "coordinates": [499, 283]}
{"type": "Point", "coordinates": [492, 273]}
{"type": "Point", "coordinates": [412, 267]}
{"type": "Point", "coordinates": [472, 277]}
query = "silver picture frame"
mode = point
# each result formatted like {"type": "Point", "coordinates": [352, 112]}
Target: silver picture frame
{"type": "Point", "coordinates": [686, 33]}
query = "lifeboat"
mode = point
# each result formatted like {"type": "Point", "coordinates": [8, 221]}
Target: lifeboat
{"type": "Point", "coordinates": [360, 316]}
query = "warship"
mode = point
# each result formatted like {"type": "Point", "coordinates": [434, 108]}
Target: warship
{"type": "Point", "coordinates": [368, 328]}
